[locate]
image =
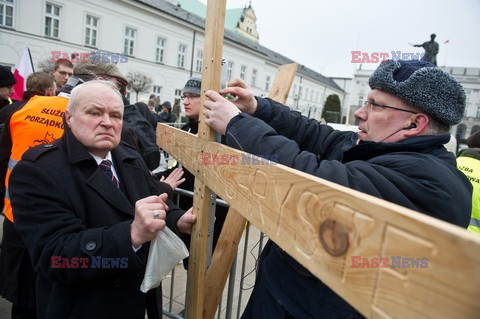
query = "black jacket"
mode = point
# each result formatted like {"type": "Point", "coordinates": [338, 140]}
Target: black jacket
{"type": "Point", "coordinates": [65, 206]}
{"type": "Point", "coordinates": [417, 173]}
{"type": "Point", "coordinates": [165, 117]}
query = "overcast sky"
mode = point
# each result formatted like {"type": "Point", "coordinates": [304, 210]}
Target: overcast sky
{"type": "Point", "coordinates": [322, 33]}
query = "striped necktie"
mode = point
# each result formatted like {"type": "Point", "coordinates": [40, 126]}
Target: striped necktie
{"type": "Point", "coordinates": [106, 166]}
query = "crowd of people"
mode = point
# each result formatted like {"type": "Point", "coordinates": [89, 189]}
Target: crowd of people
{"type": "Point", "coordinates": [82, 203]}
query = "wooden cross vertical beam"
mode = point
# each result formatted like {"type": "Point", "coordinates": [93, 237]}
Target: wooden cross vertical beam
{"type": "Point", "coordinates": [213, 48]}
{"type": "Point", "coordinates": [232, 230]}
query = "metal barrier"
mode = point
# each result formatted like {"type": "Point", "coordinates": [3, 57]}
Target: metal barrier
{"type": "Point", "coordinates": [253, 240]}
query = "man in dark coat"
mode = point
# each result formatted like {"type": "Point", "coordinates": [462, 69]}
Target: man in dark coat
{"type": "Point", "coordinates": [87, 207]}
{"type": "Point", "coordinates": [166, 116]}
{"type": "Point", "coordinates": [397, 155]}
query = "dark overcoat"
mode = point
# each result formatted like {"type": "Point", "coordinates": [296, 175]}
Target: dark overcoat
{"type": "Point", "coordinates": [66, 209]}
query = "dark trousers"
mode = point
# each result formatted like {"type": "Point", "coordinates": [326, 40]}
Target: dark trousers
{"type": "Point", "coordinates": [154, 303]}
{"type": "Point", "coordinates": [19, 312]}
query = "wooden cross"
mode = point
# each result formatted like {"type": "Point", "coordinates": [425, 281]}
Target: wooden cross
{"type": "Point", "coordinates": [324, 226]}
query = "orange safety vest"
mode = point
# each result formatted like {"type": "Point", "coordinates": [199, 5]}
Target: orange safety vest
{"type": "Point", "coordinates": [40, 121]}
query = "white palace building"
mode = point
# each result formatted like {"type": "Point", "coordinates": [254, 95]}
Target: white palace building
{"type": "Point", "coordinates": [164, 39]}
{"type": "Point", "coordinates": [161, 39]}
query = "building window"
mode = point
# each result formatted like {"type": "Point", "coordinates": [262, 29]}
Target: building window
{"type": "Point", "coordinates": [229, 70]}
{"type": "Point", "coordinates": [306, 93]}
{"type": "Point", "coordinates": [267, 83]}
{"type": "Point", "coordinates": [243, 71]}
{"type": "Point", "coordinates": [311, 96]}
{"type": "Point", "coordinates": [157, 89]}
{"type": "Point", "coordinates": [129, 41]}
{"type": "Point", "coordinates": [316, 97]}
{"type": "Point", "coordinates": [160, 50]}
{"type": "Point", "coordinates": [91, 30]}
{"type": "Point", "coordinates": [199, 62]}
{"type": "Point", "coordinates": [182, 49]}
{"type": "Point", "coordinates": [52, 20]}
{"type": "Point", "coordinates": [6, 13]}
{"type": "Point", "coordinates": [360, 100]}
{"type": "Point", "coordinates": [254, 77]}
{"type": "Point", "coordinates": [478, 111]}
{"type": "Point", "coordinates": [178, 92]}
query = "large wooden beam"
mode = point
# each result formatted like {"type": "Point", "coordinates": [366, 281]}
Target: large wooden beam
{"type": "Point", "coordinates": [201, 200]}
{"type": "Point", "coordinates": [324, 226]}
{"type": "Point", "coordinates": [232, 230]}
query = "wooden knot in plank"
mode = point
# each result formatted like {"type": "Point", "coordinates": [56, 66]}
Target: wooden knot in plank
{"type": "Point", "coordinates": [334, 237]}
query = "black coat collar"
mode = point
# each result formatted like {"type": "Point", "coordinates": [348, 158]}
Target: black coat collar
{"type": "Point", "coordinates": [366, 150]}
{"type": "Point", "coordinates": [126, 166]}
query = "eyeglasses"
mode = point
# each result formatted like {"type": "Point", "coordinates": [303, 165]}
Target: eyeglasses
{"type": "Point", "coordinates": [369, 106]}
{"type": "Point", "coordinates": [190, 97]}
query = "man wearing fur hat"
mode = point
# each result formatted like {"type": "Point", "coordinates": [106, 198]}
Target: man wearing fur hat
{"type": "Point", "coordinates": [397, 155]}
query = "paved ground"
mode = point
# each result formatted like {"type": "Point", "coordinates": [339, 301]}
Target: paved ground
{"type": "Point", "coordinates": [241, 293]}
{"type": "Point", "coordinates": [5, 309]}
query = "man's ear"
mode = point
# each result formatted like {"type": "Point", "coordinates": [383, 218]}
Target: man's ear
{"type": "Point", "coordinates": [418, 126]}
{"type": "Point", "coordinates": [68, 117]}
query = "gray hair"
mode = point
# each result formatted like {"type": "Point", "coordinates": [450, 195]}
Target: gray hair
{"type": "Point", "coordinates": [437, 128]}
{"type": "Point", "coordinates": [74, 100]}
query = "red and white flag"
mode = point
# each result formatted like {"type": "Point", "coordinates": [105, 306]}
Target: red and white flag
{"type": "Point", "coordinates": [446, 41]}
{"type": "Point", "coordinates": [22, 71]}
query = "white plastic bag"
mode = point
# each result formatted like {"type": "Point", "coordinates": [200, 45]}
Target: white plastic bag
{"type": "Point", "coordinates": [166, 250]}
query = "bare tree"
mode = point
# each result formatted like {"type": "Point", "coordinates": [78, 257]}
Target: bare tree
{"type": "Point", "coordinates": [46, 65]}
{"type": "Point", "coordinates": [139, 82]}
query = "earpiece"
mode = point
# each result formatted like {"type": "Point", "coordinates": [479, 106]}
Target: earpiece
{"type": "Point", "coordinates": [412, 125]}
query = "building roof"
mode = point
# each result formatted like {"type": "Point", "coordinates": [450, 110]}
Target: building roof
{"type": "Point", "coordinates": [232, 16]}
{"type": "Point", "coordinates": [194, 6]}
{"type": "Point", "coordinates": [179, 12]}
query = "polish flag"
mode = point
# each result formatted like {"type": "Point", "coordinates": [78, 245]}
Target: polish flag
{"type": "Point", "coordinates": [22, 71]}
{"type": "Point", "coordinates": [446, 41]}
